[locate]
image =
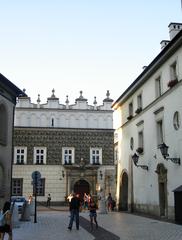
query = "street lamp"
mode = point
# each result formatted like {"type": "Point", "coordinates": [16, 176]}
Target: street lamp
{"type": "Point", "coordinates": [135, 158]}
{"type": "Point", "coordinates": [164, 151]}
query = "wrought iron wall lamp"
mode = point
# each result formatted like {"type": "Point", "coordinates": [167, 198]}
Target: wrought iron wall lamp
{"type": "Point", "coordinates": [164, 151]}
{"type": "Point", "coordinates": [135, 158]}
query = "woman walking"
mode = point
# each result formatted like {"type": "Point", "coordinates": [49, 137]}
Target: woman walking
{"type": "Point", "coordinates": [93, 214]}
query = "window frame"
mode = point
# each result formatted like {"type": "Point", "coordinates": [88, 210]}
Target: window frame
{"type": "Point", "coordinates": [71, 156]}
{"type": "Point", "coordinates": [160, 131]}
{"type": "Point", "coordinates": [158, 87]}
{"type": "Point", "coordinates": [139, 101]}
{"type": "Point", "coordinates": [16, 192]}
{"type": "Point", "coordinates": [97, 155]}
{"type": "Point", "coordinates": [130, 109]}
{"type": "Point", "coordinates": [173, 71]}
{"type": "Point", "coordinates": [24, 161]}
{"type": "Point", "coordinates": [43, 156]}
{"type": "Point", "coordinates": [141, 139]}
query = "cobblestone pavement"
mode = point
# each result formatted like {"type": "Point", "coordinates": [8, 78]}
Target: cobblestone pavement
{"type": "Point", "coordinates": [52, 225]}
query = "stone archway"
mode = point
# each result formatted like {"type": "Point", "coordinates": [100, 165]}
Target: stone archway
{"type": "Point", "coordinates": [162, 185]}
{"type": "Point", "coordinates": [81, 187]}
{"type": "Point", "coordinates": [123, 203]}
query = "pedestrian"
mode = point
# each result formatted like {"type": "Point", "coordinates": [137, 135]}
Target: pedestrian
{"type": "Point", "coordinates": [49, 200]}
{"type": "Point", "coordinates": [69, 197]}
{"type": "Point", "coordinates": [74, 210]}
{"type": "Point", "coordinates": [85, 199]}
{"type": "Point", "coordinates": [93, 213]}
{"type": "Point", "coordinates": [7, 227]}
{"type": "Point", "coordinates": [109, 202]}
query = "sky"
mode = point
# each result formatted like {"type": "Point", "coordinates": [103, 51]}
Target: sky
{"type": "Point", "coordinates": [88, 45]}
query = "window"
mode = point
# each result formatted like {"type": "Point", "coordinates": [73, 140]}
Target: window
{"type": "Point", "coordinates": [173, 71]}
{"type": "Point", "coordinates": [176, 120]}
{"type": "Point", "coordinates": [130, 109]}
{"type": "Point", "coordinates": [158, 87]}
{"type": "Point", "coordinates": [40, 190]}
{"type": "Point", "coordinates": [140, 139]}
{"type": "Point", "coordinates": [131, 143]}
{"type": "Point", "coordinates": [39, 155]}
{"type": "Point", "coordinates": [3, 125]}
{"type": "Point", "coordinates": [20, 155]}
{"type": "Point", "coordinates": [139, 101]}
{"type": "Point", "coordinates": [160, 136]}
{"type": "Point", "coordinates": [17, 186]}
{"type": "Point", "coordinates": [96, 156]}
{"type": "Point", "coordinates": [68, 155]}
{"type": "Point", "coordinates": [52, 122]}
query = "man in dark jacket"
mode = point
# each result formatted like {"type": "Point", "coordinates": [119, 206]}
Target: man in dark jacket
{"type": "Point", "coordinates": [74, 210]}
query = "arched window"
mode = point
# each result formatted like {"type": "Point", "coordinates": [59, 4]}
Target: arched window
{"type": "Point", "coordinates": [3, 125]}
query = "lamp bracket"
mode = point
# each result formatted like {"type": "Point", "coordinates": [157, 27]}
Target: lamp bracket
{"type": "Point", "coordinates": [174, 160]}
{"type": "Point", "coordinates": [145, 167]}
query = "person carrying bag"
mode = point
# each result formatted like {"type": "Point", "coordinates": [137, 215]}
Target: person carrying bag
{"type": "Point", "coordinates": [5, 221]}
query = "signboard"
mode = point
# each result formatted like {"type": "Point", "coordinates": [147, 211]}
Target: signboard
{"type": "Point", "coordinates": [36, 176]}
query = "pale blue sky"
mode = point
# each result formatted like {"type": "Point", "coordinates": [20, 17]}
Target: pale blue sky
{"type": "Point", "coordinates": [73, 45]}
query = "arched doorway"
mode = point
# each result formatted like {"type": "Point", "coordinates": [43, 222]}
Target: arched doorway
{"type": "Point", "coordinates": [81, 187]}
{"type": "Point", "coordinates": [123, 205]}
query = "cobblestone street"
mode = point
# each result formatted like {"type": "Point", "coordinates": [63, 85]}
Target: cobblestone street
{"type": "Point", "coordinates": [52, 225]}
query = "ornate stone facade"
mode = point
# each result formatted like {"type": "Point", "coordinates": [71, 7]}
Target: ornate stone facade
{"type": "Point", "coordinates": [55, 139]}
{"type": "Point", "coordinates": [82, 129]}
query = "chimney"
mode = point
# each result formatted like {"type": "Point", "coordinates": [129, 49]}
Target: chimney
{"type": "Point", "coordinates": [174, 29]}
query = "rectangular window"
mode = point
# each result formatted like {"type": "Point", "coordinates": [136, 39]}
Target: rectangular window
{"type": "Point", "coordinates": [68, 155]}
{"type": "Point", "coordinates": [40, 190]}
{"type": "Point", "coordinates": [160, 135]}
{"type": "Point", "coordinates": [139, 101]}
{"type": "Point", "coordinates": [40, 155]}
{"type": "Point", "coordinates": [20, 155]}
{"type": "Point", "coordinates": [130, 109]}
{"type": "Point", "coordinates": [140, 140]}
{"type": "Point", "coordinates": [17, 186]}
{"type": "Point", "coordinates": [173, 71]}
{"type": "Point", "coordinates": [158, 87]}
{"type": "Point", "coordinates": [96, 156]}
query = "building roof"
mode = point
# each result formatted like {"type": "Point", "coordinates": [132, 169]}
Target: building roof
{"type": "Point", "coordinates": [174, 44]}
{"type": "Point", "coordinates": [6, 86]}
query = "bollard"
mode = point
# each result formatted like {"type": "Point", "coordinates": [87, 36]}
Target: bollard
{"type": "Point", "coordinates": [15, 217]}
{"type": "Point", "coordinates": [25, 216]}
{"type": "Point", "coordinates": [32, 207]}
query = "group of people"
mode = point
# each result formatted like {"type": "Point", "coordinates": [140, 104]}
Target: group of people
{"type": "Point", "coordinates": [88, 202]}
{"type": "Point", "coordinates": [75, 205]}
